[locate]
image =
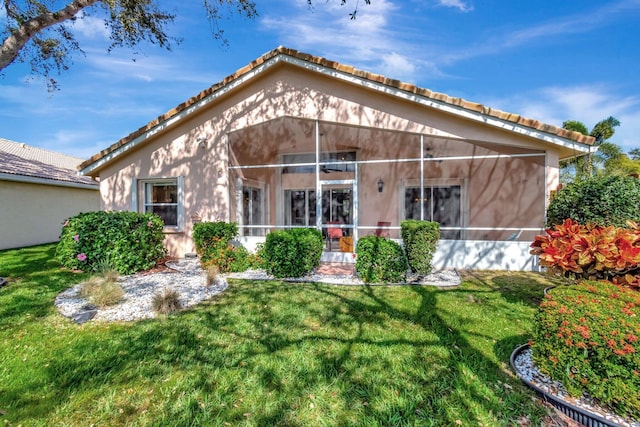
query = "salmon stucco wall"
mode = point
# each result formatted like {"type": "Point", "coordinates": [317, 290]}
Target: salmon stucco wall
{"type": "Point", "coordinates": [195, 147]}
{"type": "Point", "coordinates": [33, 214]}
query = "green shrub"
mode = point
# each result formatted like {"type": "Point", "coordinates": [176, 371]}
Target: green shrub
{"type": "Point", "coordinates": [587, 337]}
{"type": "Point", "coordinates": [601, 200]}
{"type": "Point", "coordinates": [213, 242]}
{"type": "Point", "coordinates": [128, 241]}
{"type": "Point", "coordinates": [292, 253]}
{"type": "Point", "coordinates": [380, 260]}
{"type": "Point", "coordinates": [420, 239]}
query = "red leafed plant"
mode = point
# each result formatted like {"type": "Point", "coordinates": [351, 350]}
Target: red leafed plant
{"type": "Point", "coordinates": [591, 252]}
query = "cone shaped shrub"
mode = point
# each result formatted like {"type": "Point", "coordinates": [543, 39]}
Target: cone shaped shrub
{"type": "Point", "coordinates": [420, 239]}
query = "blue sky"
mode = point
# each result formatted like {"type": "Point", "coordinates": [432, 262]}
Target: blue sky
{"type": "Point", "coordinates": [547, 60]}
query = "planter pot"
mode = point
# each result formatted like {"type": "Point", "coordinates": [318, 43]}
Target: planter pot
{"type": "Point", "coordinates": [580, 415]}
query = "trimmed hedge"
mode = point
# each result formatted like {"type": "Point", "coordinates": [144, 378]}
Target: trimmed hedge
{"type": "Point", "coordinates": [127, 241]}
{"type": "Point", "coordinates": [588, 337]}
{"type": "Point", "coordinates": [292, 253]}
{"type": "Point", "coordinates": [601, 200]}
{"type": "Point", "coordinates": [420, 240]}
{"type": "Point", "coordinates": [380, 260]}
{"type": "Point", "coordinates": [213, 242]}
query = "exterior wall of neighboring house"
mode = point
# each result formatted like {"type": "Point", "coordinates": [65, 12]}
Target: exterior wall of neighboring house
{"type": "Point", "coordinates": [33, 214]}
{"type": "Point", "coordinates": [235, 136]}
{"type": "Point", "coordinates": [39, 190]}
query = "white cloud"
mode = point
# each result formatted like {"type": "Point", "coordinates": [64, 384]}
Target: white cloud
{"type": "Point", "coordinates": [587, 104]}
{"type": "Point", "coordinates": [398, 66]}
{"type": "Point", "coordinates": [123, 65]}
{"type": "Point", "coordinates": [90, 27]}
{"type": "Point", "coordinates": [457, 4]}
{"type": "Point", "coordinates": [557, 28]}
{"type": "Point", "coordinates": [373, 41]}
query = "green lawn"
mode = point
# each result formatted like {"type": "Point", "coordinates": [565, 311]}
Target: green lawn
{"type": "Point", "coordinates": [269, 353]}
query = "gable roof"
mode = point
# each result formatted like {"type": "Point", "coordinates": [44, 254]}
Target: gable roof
{"type": "Point", "coordinates": [470, 110]}
{"type": "Point", "coordinates": [22, 162]}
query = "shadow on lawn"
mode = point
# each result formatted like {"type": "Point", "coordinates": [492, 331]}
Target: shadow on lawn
{"type": "Point", "coordinates": [35, 278]}
{"type": "Point", "coordinates": [295, 357]}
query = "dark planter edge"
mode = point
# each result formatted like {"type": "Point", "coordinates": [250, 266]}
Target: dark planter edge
{"type": "Point", "coordinates": [580, 415]}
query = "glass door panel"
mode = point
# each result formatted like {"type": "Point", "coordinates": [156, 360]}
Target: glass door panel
{"type": "Point", "coordinates": [337, 217]}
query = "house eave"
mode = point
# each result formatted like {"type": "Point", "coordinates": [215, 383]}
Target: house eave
{"type": "Point", "coordinates": [44, 181]}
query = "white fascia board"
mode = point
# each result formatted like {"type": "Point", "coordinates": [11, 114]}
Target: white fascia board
{"type": "Point", "coordinates": [45, 181]}
{"type": "Point", "coordinates": [350, 78]}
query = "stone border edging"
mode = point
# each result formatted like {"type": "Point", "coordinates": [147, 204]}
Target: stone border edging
{"type": "Point", "coordinates": [578, 414]}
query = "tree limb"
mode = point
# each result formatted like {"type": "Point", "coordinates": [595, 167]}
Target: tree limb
{"type": "Point", "coordinates": [11, 46]}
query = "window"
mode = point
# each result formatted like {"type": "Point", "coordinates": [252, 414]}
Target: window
{"type": "Point", "coordinates": [162, 197]}
{"type": "Point", "coordinates": [441, 204]}
{"type": "Point", "coordinates": [300, 207]}
{"type": "Point", "coordinates": [347, 156]}
{"type": "Point", "coordinates": [252, 202]}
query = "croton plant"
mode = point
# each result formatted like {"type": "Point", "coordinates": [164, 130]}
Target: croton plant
{"type": "Point", "coordinates": [592, 252]}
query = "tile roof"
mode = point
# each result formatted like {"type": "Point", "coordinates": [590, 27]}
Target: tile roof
{"type": "Point", "coordinates": [347, 69]}
{"type": "Point", "coordinates": [26, 161]}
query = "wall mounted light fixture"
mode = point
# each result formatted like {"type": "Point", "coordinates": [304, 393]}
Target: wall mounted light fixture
{"type": "Point", "coordinates": [202, 142]}
{"type": "Point", "coordinates": [380, 185]}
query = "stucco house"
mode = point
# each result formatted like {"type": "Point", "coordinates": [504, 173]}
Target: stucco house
{"type": "Point", "coordinates": [39, 189]}
{"type": "Point", "coordinates": [295, 140]}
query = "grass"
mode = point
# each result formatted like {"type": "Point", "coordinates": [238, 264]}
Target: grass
{"type": "Point", "coordinates": [269, 353]}
{"type": "Point", "coordinates": [102, 290]}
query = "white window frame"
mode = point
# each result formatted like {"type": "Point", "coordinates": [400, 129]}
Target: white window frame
{"type": "Point", "coordinates": [139, 198]}
{"type": "Point", "coordinates": [253, 184]}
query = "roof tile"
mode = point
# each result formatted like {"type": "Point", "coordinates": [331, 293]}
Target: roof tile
{"type": "Point", "coordinates": [24, 160]}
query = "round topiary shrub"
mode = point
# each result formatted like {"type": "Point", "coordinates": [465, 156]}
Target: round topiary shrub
{"type": "Point", "coordinates": [380, 260]}
{"type": "Point", "coordinates": [127, 241]}
{"type": "Point", "coordinates": [602, 200]}
{"type": "Point", "coordinates": [588, 337]}
{"type": "Point", "coordinates": [292, 253]}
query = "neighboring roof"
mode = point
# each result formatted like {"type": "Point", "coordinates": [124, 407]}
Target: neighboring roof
{"type": "Point", "coordinates": [458, 105]}
{"type": "Point", "coordinates": [22, 162]}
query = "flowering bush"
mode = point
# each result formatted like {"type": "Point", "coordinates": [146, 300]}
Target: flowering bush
{"type": "Point", "coordinates": [214, 246]}
{"type": "Point", "coordinates": [591, 252]}
{"type": "Point", "coordinates": [588, 337]}
{"type": "Point", "coordinates": [127, 241]}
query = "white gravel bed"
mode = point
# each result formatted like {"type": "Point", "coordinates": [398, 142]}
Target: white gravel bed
{"type": "Point", "coordinates": [440, 278]}
{"type": "Point", "coordinates": [528, 371]}
{"type": "Point", "coordinates": [188, 280]}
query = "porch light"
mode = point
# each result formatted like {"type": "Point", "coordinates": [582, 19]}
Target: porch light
{"type": "Point", "coordinates": [380, 185]}
{"type": "Point", "coordinates": [202, 143]}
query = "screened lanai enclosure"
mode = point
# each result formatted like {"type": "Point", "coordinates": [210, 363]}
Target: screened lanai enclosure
{"type": "Point", "coordinates": [350, 181]}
